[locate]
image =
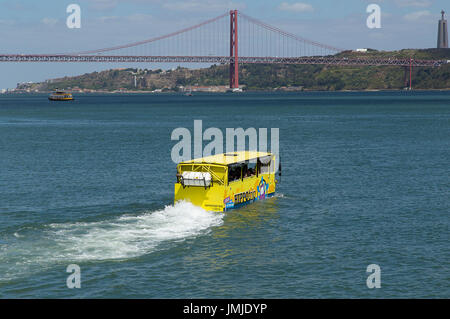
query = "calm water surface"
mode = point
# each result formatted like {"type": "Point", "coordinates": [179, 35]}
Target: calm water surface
{"type": "Point", "coordinates": [90, 182]}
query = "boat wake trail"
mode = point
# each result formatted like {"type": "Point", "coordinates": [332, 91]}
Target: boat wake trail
{"type": "Point", "coordinates": [120, 238]}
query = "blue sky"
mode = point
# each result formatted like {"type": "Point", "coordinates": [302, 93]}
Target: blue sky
{"type": "Point", "coordinates": [29, 26]}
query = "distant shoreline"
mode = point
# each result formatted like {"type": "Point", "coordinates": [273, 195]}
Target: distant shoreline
{"type": "Point", "coordinates": [228, 93]}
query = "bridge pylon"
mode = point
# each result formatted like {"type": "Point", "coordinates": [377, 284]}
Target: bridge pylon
{"type": "Point", "coordinates": [234, 64]}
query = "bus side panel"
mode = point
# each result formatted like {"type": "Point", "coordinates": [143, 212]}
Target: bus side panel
{"type": "Point", "coordinates": [249, 189]}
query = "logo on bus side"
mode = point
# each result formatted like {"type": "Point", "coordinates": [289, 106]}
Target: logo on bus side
{"type": "Point", "coordinates": [262, 189]}
{"type": "Point", "coordinates": [244, 196]}
{"type": "Point", "coordinates": [228, 202]}
{"type": "Point", "coordinates": [250, 195]}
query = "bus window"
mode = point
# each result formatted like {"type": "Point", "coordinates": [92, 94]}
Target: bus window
{"type": "Point", "coordinates": [264, 165]}
{"type": "Point", "coordinates": [234, 172]}
{"type": "Point", "coordinates": [249, 170]}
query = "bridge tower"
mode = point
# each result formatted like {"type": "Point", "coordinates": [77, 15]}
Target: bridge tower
{"type": "Point", "coordinates": [408, 75]}
{"type": "Point", "coordinates": [234, 65]}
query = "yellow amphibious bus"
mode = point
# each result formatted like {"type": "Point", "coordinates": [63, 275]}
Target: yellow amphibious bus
{"type": "Point", "coordinates": [225, 181]}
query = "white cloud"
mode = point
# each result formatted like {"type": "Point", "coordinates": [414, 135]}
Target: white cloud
{"type": "Point", "coordinates": [103, 4]}
{"type": "Point", "coordinates": [202, 5]}
{"type": "Point", "coordinates": [417, 15]}
{"type": "Point", "coordinates": [49, 21]}
{"type": "Point", "coordinates": [108, 19]}
{"type": "Point", "coordinates": [296, 7]}
{"type": "Point", "coordinates": [140, 17]}
{"type": "Point", "coordinates": [413, 3]}
{"type": "Point", "coordinates": [7, 22]}
{"type": "Point", "coordinates": [18, 5]}
{"type": "Point", "coordinates": [128, 20]}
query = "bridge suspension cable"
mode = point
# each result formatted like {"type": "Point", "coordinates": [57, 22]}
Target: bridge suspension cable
{"type": "Point", "coordinates": [166, 36]}
{"type": "Point", "coordinates": [279, 38]}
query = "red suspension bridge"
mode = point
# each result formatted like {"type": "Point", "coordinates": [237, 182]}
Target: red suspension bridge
{"type": "Point", "coordinates": [232, 38]}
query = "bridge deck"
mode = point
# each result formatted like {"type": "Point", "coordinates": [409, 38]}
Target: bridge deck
{"type": "Point", "coordinates": [329, 60]}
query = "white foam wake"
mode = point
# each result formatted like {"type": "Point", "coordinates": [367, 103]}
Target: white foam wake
{"type": "Point", "coordinates": [120, 238]}
{"type": "Point", "coordinates": [131, 236]}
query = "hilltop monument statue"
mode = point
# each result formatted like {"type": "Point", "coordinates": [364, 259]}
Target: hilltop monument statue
{"type": "Point", "coordinates": [442, 33]}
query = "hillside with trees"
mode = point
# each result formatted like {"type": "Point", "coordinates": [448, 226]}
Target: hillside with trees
{"type": "Point", "coordinates": [269, 76]}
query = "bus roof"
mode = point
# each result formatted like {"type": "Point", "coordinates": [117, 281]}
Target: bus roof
{"type": "Point", "coordinates": [228, 158]}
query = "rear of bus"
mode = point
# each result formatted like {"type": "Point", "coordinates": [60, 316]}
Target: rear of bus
{"type": "Point", "coordinates": [202, 184]}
